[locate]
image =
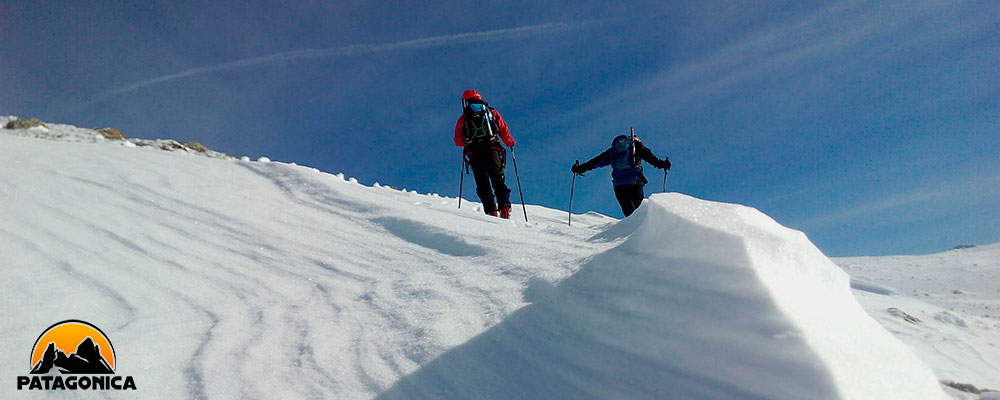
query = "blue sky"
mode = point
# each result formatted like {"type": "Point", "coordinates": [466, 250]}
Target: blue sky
{"type": "Point", "coordinates": [873, 126]}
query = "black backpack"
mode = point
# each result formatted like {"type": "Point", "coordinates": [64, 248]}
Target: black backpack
{"type": "Point", "coordinates": [480, 124]}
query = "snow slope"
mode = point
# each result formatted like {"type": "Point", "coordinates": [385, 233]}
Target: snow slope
{"type": "Point", "coordinates": [220, 278]}
{"type": "Point", "coordinates": [945, 306]}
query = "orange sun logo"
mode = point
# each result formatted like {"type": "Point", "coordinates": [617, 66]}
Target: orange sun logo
{"type": "Point", "coordinates": [73, 347]}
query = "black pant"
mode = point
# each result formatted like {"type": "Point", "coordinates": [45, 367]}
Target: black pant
{"type": "Point", "coordinates": [629, 197]}
{"type": "Point", "coordinates": [487, 167]}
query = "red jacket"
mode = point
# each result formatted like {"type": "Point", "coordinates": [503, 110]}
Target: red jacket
{"type": "Point", "coordinates": [504, 132]}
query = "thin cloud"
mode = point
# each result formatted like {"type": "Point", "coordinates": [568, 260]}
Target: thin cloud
{"type": "Point", "coordinates": [802, 45]}
{"type": "Point", "coordinates": [973, 190]}
{"type": "Point", "coordinates": [354, 50]}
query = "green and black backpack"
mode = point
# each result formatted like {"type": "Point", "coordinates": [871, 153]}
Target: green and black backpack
{"type": "Point", "coordinates": [480, 124]}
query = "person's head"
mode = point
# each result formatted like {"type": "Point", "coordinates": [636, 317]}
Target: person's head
{"type": "Point", "coordinates": [470, 94]}
{"type": "Point", "coordinates": [473, 100]}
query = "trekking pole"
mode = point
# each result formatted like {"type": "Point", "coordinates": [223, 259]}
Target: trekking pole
{"type": "Point", "coordinates": [635, 157]}
{"type": "Point", "coordinates": [571, 187]}
{"type": "Point", "coordinates": [461, 181]}
{"type": "Point", "coordinates": [664, 181]}
{"type": "Point", "coordinates": [465, 166]}
{"type": "Point", "coordinates": [518, 184]}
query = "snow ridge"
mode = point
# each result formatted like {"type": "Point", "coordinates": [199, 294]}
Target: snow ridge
{"type": "Point", "coordinates": [75, 134]}
{"type": "Point", "coordinates": [701, 300]}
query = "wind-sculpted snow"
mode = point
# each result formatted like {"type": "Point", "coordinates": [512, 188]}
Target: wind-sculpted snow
{"type": "Point", "coordinates": [225, 279]}
{"type": "Point", "coordinates": [232, 279]}
{"type": "Point", "coordinates": [435, 239]}
{"type": "Point", "coordinates": [701, 301]}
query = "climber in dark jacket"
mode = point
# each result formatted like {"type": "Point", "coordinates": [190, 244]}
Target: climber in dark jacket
{"type": "Point", "coordinates": [625, 159]}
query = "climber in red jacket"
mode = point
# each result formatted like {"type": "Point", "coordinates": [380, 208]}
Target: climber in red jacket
{"type": "Point", "coordinates": [480, 130]}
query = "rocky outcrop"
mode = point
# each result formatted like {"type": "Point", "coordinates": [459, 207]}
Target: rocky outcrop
{"type": "Point", "coordinates": [111, 134]}
{"type": "Point", "coordinates": [172, 145]}
{"type": "Point", "coordinates": [196, 147]}
{"type": "Point", "coordinates": [25, 123]}
{"type": "Point", "coordinates": [69, 133]}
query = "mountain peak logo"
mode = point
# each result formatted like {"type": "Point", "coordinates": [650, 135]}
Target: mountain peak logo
{"type": "Point", "coordinates": [73, 347]}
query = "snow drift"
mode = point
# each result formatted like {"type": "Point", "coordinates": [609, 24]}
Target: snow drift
{"type": "Point", "coordinates": [702, 300]}
{"type": "Point", "coordinates": [219, 278]}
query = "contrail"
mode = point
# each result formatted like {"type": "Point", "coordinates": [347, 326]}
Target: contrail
{"type": "Point", "coordinates": [433, 41]}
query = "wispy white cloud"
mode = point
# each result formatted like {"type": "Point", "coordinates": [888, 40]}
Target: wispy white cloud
{"type": "Point", "coordinates": [354, 50]}
{"type": "Point", "coordinates": [972, 190]}
{"type": "Point", "coordinates": [827, 37]}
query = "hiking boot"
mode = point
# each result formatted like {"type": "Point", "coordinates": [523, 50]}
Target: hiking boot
{"type": "Point", "coordinates": [505, 212]}
{"type": "Point", "coordinates": [493, 213]}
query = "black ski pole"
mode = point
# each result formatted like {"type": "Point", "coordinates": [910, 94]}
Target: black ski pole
{"type": "Point", "coordinates": [518, 184]}
{"type": "Point", "coordinates": [635, 157]}
{"type": "Point", "coordinates": [464, 165]}
{"type": "Point", "coordinates": [664, 181]}
{"type": "Point", "coordinates": [461, 181]}
{"type": "Point", "coordinates": [571, 188]}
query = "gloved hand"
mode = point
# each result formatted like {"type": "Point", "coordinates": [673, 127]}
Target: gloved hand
{"type": "Point", "coordinates": [665, 164]}
{"type": "Point", "coordinates": [578, 169]}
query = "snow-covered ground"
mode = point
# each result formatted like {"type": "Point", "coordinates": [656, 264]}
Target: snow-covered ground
{"type": "Point", "coordinates": [945, 306]}
{"type": "Point", "coordinates": [223, 278]}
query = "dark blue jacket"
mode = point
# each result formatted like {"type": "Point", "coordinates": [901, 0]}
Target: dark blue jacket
{"type": "Point", "coordinates": [626, 168]}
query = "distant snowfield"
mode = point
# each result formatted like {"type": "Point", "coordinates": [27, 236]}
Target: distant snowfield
{"type": "Point", "coordinates": [945, 306]}
{"type": "Point", "coordinates": [219, 278]}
